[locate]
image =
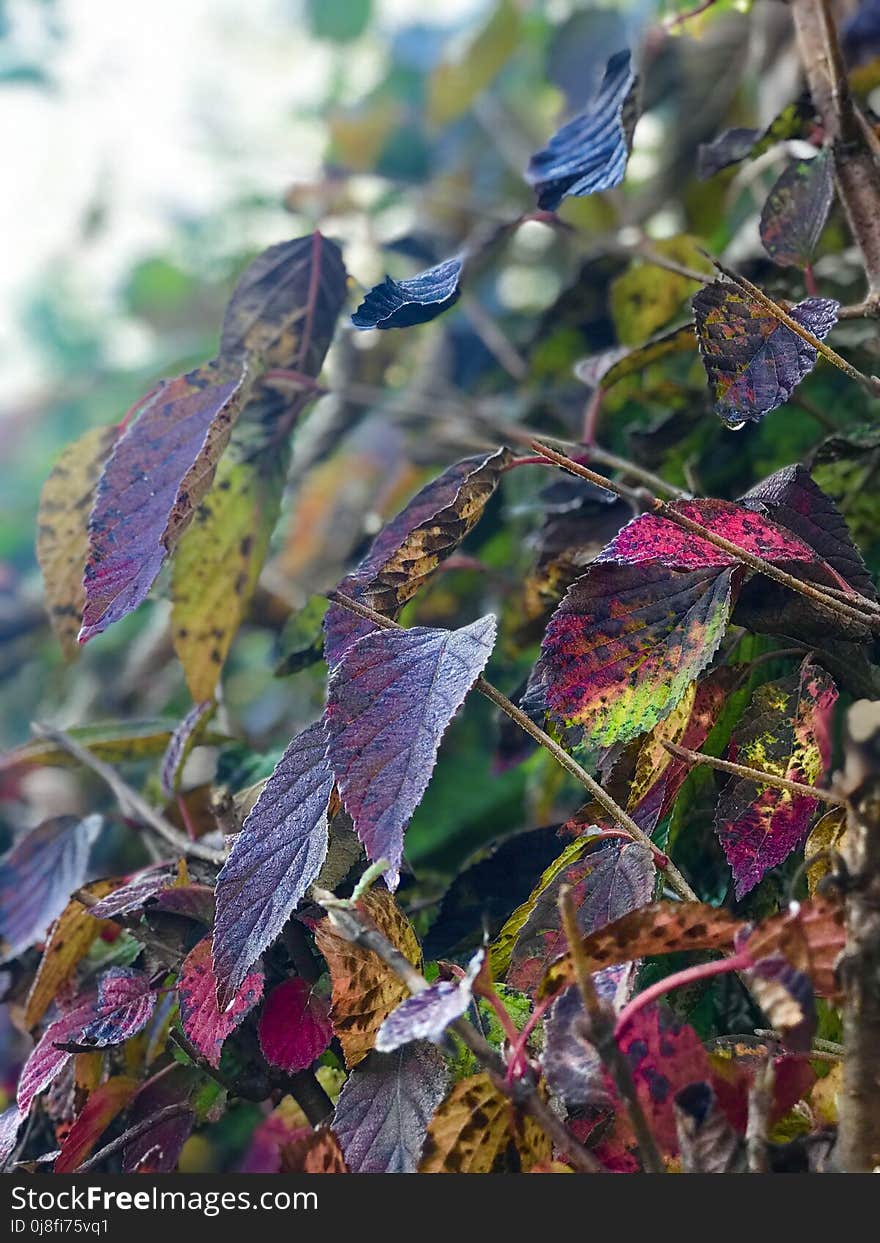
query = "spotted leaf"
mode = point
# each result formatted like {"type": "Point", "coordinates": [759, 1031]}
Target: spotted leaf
{"type": "Point", "coordinates": [796, 209]}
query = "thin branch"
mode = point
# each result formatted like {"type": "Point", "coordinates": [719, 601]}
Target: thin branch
{"type": "Point", "coordinates": [678, 19]}
{"type": "Point", "coordinates": [753, 774]}
{"type": "Point", "coordinates": [758, 1125]}
{"type": "Point", "coordinates": [133, 1133]}
{"type": "Point", "coordinates": [679, 979]}
{"type": "Point", "coordinates": [528, 726]}
{"type": "Point", "coordinates": [867, 618]}
{"type": "Point", "coordinates": [350, 924]}
{"type": "Point", "coordinates": [129, 800]}
{"type": "Point", "coordinates": [599, 1031]}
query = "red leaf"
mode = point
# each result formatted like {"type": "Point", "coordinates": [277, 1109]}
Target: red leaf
{"type": "Point", "coordinates": [202, 1021]}
{"type": "Point", "coordinates": [100, 1109]}
{"type": "Point", "coordinates": [389, 701]}
{"type": "Point", "coordinates": [294, 1026]}
{"type": "Point", "coordinates": [157, 1150]}
{"type": "Point", "coordinates": [47, 1060]}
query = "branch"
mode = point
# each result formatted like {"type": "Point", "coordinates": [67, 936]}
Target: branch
{"type": "Point", "coordinates": [760, 1108]}
{"type": "Point", "coordinates": [866, 617]}
{"type": "Point", "coordinates": [130, 802]}
{"type": "Point", "coordinates": [856, 170]}
{"type": "Point", "coordinates": [599, 1031]}
{"type": "Point", "coordinates": [753, 774]}
{"type": "Point", "coordinates": [350, 924]}
{"type": "Point", "coordinates": [133, 1133]}
{"type": "Point", "coordinates": [571, 766]}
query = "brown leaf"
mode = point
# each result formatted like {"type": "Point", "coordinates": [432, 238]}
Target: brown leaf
{"type": "Point", "coordinates": [63, 530]}
{"type": "Point", "coordinates": [477, 1130]}
{"type": "Point", "coordinates": [661, 928]}
{"type": "Point", "coordinates": [365, 990]}
{"type": "Point", "coordinates": [811, 936]}
{"type": "Point", "coordinates": [70, 939]}
{"type": "Point", "coordinates": [316, 1153]}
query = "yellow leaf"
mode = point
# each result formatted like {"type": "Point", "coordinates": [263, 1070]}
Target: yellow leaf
{"type": "Point", "coordinates": [647, 298]}
{"type": "Point", "coordinates": [828, 833]}
{"type": "Point", "coordinates": [477, 1128]}
{"type": "Point", "coordinates": [456, 83]}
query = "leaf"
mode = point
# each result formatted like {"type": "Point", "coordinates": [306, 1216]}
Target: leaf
{"type": "Point", "coordinates": [626, 642]}
{"type": "Point", "coordinates": [785, 995]}
{"type": "Point", "coordinates": [784, 731]}
{"type": "Point", "coordinates": [273, 860]}
{"type": "Point", "coordinates": [157, 1150]}
{"type": "Point", "coordinates": [104, 1103]}
{"type": "Point", "coordinates": [389, 701]}
{"type": "Point", "coordinates": [62, 530]}
{"type": "Point", "coordinates": [796, 210]}
{"type": "Point", "coordinates": [828, 833]}
{"type": "Point", "coordinates": [793, 500]}
{"type": "Point", "coordinates": [658, 775]}
{"type": "Point", "coordinates": [811, 935]}
{"type": "Point", "coordinates": [365, 990]}
{"type": "Point", "coordinates": [181, 743]}
{"type": "Point", "coordinates": [205, 1025]}
{"type": "Point", "coordinates": [38, 875]}
{"type": "Point", "coordinates": [10, 1124]}
{"type": "Point", "coordinates": [218, 563]}
{"type": "Point", "coordinates": [476, 1129]}
{"type": "Point", "coordinates": [47, 1060]}
{"type": "Point", "coordinates": [384, 1109]}
{"type": "Point", "coordinates": [70, 939]}
{"type": "Point", "coordinates": [646, 298]}
{"type": "Point", "coordinates": [630, 362]}
{"type": "Point", "coordinates": [664, 1056]}
{"type": "Point", "coordinates": [294, 1027]}
{"type": "Point", "coordinates": [754, 363]}
{"type": "Point", "coordinates": [160, 468]}
{"type": "Point", "coordinates": [454, 84]}
{"type": "Point", "coordinates": [135, 893]}
{"type": "Point", "coordinates": [402, 304]}
{"type": "Point", "coordinates": [735, 145]}
{"type": "Point", "coordinates": [286, 1124]}
{"type": "Point", "coordinates": [651, 538]}
{"type": "Point", "coordinates": [661, 928]}
{"type": "Point", "coordinates": [317, 1152]}
{"type": "Point", "coordinates": [590, 152]}
{"type": "Point", "coordinates": [125, 1004]}
{"type": "Point", "coordinates": [572, 1067]}
{"type": "Point", "coordinates": [426, 1015]}
{"type": "Point", "coordinates": [116, 742]}
{"type": "Point", "coordinates": [706, 1140]}
{"type": "Point", "coordinates": [605, 885]}
{"type": "Point", "coordinates": [409, 549]}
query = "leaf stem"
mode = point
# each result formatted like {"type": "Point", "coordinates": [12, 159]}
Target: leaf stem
{"type": "Point", "coordinates": [528, 726]}
{"type": "Point", "coordinates": [754, 774]}
{"type": "Point", "coordinates": [690, 975]}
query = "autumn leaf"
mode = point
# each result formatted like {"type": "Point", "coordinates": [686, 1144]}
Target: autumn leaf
{"type": "Point", "coordinates": [157, 1149]}
{"type": "Point", "coordinates": [707, 1142]}
{"type": "Point", "coordinates": [365, 989]}
{"type": "Point", "coordinates": [47, 1058]}
{"type": "Point", "coordinates": [827, 834]}
{"type": "Point", "coordinates": [38, 875]}
{"type": "Point", "coordinates": [661, 928]}
{"type": "Point", "coordinates": [316, 1152]}
{"type": "Point", "coordinates": [735, 145]}
{"type": "Point", "coordinates": [646, 298]}
{"type": "Point", "coordinates": [572, 1067]}
{"type": "Point", "coordinates": [811, 937]}
{"type": "Point", "coordinates": [204, 1024]}
{"type": "Point", "coordinates": [294, 1027]}
{"type": "Point", "coordinates": [384, 1109]}
{"type": "Point", "coordinates": [273, 860]}
{"type": "Point", "coordinates": [456, 82]}
{"type": "Point", "coordinates": [477, 1129]}
{"type": "Point", "coordinates": [426, 1015]}
{"type": "Point", "coordinates": [409, 549]}
{"type": "Point", "coordinates": [389, 701]}
{"type": "Point", "coordinates": [796, 210]}
{"type": "Point", "coordinates": [116, 742]}
{"type": "Point", "coordinates": [754, 362]}
{"type": "Point", "coordinates": [785, 731]}
{"type": "Point", "coordinates": [627, 641]}
{"type": "Point", "coordinates": [63, 530]}
{"type": "Point", "coordinates": [160, 468]}
{"type": "Point", "coordinates": [402, 304]}
{"type": "Point", "coordinates": [102, 1106]}
{"type": "Point", "coordinates": [627, 362]}
{"type": "Point", "coordinates": [590, 152]}
{"type": "Point", "coordinates": [124, 1006]}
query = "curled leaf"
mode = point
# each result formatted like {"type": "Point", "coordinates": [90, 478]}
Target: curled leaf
{"type": "Point", "coordinates": [401, 304]}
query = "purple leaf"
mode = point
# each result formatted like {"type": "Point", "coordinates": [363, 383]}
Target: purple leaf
{"type": "Point", "coordinates": [10, 1122]}
{"type": "Point", "coordinates": [389, 702]}
{"type": "Point", "coordinates": [401, 304]}
{"type": "Point", "coordinates": [294, 1026]}
{"type": "Point", "coordinates": [181, 743]}
{"type": "Point", "coordinates": [796, 210]}
{"type": "Point", "coordinates": [157, 474]}
{"type": "Point", "coordinates": [754, 362]}
{"type": "Point", "coordinates": [191, 901]}
{"type": "Point", "coordinates": [48, 1060]}
{"type": "Point", "coordinates": [135, 893]}
{"type": "Point", "coordinates": [157, 1150]}
{"type": "Point", "coordinates": [38, 875]}
{"type": "Point", "coordinates": [383, 1111]}
{"type": "Point", "coordinates": [794, 501]}
{"type": "Point", "coordinates": [572, 1067]}
{"type": "Point", "coordinates": [125, 1003]}
{"type": "Point", "coordinates": [426, 1015]}
{"type": "Point", "coordinates": [273, 860]}
{"type": "Point", "coordinates": [590, 152]}
{"type": "Point", "coordinates": [205, 1025]}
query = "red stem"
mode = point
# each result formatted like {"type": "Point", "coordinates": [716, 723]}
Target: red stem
{"type": "Point", "coordinates": [516, 1065]}
{"type": "Point", "coordinates": [810, 281]}
{"type": "Point", "coordinates": [591, 415]}
{"type": "Point", "coordinates": [703, 971]}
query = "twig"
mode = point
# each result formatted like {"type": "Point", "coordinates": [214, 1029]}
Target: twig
{"type": "Point", "coordinates": [128, 799]}
{"type": "Point", "coordinates": [671, 872]}
{"type": "Point", "coordinates": [133, 1133]}
{"type": "Point", "coordinates": [868, 619]}
{"type": "Point", "coordinates": [350, 924]}
{"type": "Point", "coordinates": [760, 1108]}
{"type": "Point", "coordinates": [753, 774]}
{"type": "Point", "coordinates": [678, 19]}
{"type": "Point", "coordinates": [599, 1031]}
